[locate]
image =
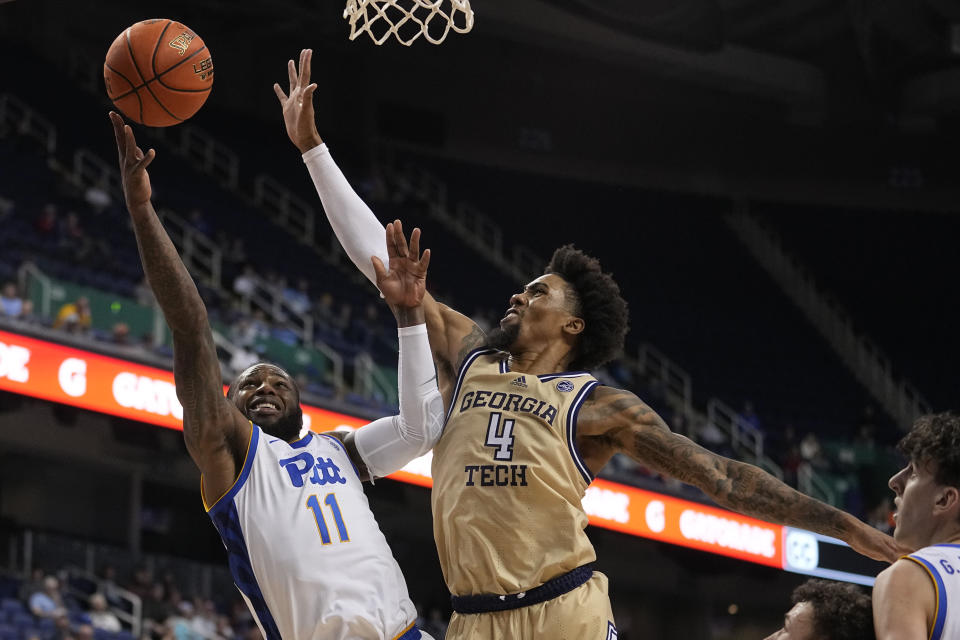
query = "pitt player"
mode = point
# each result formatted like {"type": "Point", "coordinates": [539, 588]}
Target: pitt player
{"type": "Point", "coordinates": [303, 546]}
{"type": "Point", "coordinates": [918, 597]}
{"type": "Point", "coordinates": [528, 428]}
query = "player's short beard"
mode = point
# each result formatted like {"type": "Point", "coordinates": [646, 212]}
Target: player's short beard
{"type": "Point", "coordinates": [502, 339]}
{"type": "Point", "coordinates": [287, 427]}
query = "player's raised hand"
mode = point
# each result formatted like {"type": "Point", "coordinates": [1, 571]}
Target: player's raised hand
{"type": "Point", "coordinates": [297, 104]}
{"type": "Point", "coordinates": [404, 284]}
{"type": "Point", "coordinates": [133, 164]}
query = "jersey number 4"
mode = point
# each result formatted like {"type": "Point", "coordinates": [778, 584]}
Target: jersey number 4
{"type": "Point", "coordinates": [500, 436]}
{"type": "Point", "coordinates": [331, 501]}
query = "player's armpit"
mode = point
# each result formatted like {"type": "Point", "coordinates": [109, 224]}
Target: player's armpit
{"type": "Point", "coordinates": [904, 602]}
{"type": "Point", "coordinates": [348, 438]}
{"type": "Point", "coordinates": [452, 336]}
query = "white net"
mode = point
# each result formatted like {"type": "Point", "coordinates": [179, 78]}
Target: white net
{"type": "Point", "coordinates": [407, 20]}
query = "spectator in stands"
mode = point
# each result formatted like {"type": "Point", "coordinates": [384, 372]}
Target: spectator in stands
{"type": "Point", "coordinates": [825, 610]}
{"type": "Point", "coordinates": [11, 304]}
{"type": "Point", "coordinates": [84, 632]}
{"type": "Point", "coordinates": [245, 284]}
{"type": "Point", "coordinates": [45, 224]}
{"type": "Point", "coordinates": [120, 334]}
{"type": "Point", "coordinates": [142, 584]}
{"type": "Point", "coordinates": [298, 298]}
{"type": "Point", "coordinates": [144, 294]}
{"type": "Point", "coordinates": [156, 609]}
{"type": "Point", "coordinates": [61, 628]}
{"type": "Point", "coordinates": [74, 317]}
{"type": "Point", "coordinates": [100, 616]}
{"type": "Point", "coordinates": [74, 240]}
{"type": "Point", "coordinates": [749, 415]}
{"type": "Point", "coordinates": [33, 584]}
{"type": "Point", "coordinates": [98, 196]}
{"type": "Point", "coordinates": [48, 602]}
{"type": "Point", "coordinates": [812, 452]}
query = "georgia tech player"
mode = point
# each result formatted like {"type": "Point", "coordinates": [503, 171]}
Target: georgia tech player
{"type": "Point", "coordinates": [303, 545]}
{"type": "Point", "coordinates": [528, 428]}
{"type": "Point", "coordinates": [918, 596]}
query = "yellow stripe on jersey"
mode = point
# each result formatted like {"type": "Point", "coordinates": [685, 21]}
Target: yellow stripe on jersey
{"type": "Point", "coordinates": [508, 479]}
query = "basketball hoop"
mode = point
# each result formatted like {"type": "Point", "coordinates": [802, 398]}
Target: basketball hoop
{"type": "Point", "coordinates": [407, 20]}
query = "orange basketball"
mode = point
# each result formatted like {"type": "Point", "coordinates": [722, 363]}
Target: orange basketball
{"type": "Point", "coordinates": [158, 72]}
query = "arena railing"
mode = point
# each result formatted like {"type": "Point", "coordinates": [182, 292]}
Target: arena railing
{"type": "Point", "coordinates": [899, 398]}
{"type": "Point", "coordinates": [27, 122]}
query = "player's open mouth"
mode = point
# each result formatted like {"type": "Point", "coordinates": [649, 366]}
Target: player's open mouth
{"type": "Point", "coordinates": [265, 407]}
{"type": "Point", "coordinates": [510, 312]}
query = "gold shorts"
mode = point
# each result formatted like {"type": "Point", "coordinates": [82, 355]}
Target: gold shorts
{"type": "Point", "coordinates": [581, 614]}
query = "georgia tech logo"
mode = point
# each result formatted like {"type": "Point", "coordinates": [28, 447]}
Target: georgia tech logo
{"type": "Point", "coordinates": [182, 42]}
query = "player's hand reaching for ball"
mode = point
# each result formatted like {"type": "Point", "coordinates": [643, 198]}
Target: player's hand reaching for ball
{"type": "Point", "coordinates": [297, 104]}
{"type": "Point", "coordinates": [133, 164]}
{"type": "Point", "coordinates": [404, 284]}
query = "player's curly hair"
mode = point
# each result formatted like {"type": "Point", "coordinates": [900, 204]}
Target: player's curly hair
{"type": "Point", "coordinates": [935, 438]}
{"type": "Point", "coordinates": [841, 611]}
{"type": "Point", "coordinates": [597, 301]}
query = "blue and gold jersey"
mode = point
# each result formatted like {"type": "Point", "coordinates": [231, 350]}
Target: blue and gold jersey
{"type": "Point", "coordinates": [508, 479]}
{"type": "Point", "coordinates": [304, 548]}
{"type": "Point", "coordinates": [942, 564]}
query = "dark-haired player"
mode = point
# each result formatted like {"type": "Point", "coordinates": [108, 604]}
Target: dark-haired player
{"type": "Point", "coordinates": [528, 428]}
{"type": "Point", "coordinates": [304, 548]}
{"type": "Point", "coordinates": [918, 596]}
{"type": "Point", "coordinates": [827, 610]}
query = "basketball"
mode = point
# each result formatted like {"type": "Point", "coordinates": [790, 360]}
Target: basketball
{"type": "Point", "coordinates": [158, 72]}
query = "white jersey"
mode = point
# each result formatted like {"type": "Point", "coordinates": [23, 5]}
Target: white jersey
{"type": "Point", "coordinates": [942, 563]}
{"type": "Point", "coordinates": [304, 548]}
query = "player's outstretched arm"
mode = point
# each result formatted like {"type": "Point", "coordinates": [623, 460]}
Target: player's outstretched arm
{"type": "Point", "coordinates": [216, 433]}
{"type": "Point", "coordinates": [452, 335]}
{"type": "Point", "coordinates": [617, 421]}
{"type": "Point", "coordinates": [904, 602]}
{"type": "Point", "coordinates": [388, 444]}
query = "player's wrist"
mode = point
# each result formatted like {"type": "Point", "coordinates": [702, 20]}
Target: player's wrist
{"type": "Point", "coordinates": [309, 142]}
{"type": "Point", "coordinates": [409, 316]}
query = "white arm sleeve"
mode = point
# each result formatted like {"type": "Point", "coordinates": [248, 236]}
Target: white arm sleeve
{"type": "Point", "coordinates": [360, 233]}
{"type": "Point", "coordinates": [388, 444]}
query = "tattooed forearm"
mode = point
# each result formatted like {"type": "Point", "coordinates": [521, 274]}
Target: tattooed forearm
{"type": "Point", "coordinates": [736, 485]}
{"type": "Point", "coordinates": [639, 432]}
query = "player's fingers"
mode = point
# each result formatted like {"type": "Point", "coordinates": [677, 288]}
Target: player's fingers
{"type": "Point", "coordinates": [399, 238]}
{"type": "Point", "coordinates": [305, 56]}
{"type": "Point", "coordinates": [118, 133]}
{"type": "Point", "coordinates": [280, 94]}
{"type": "Point", "coordinates": [292, 74]}
{"type": "Point", "coordinates": [130, 143]}
{"type": "Point", "coordinates": [378, 268]}
{"type": "Point", "coordinates": [425, 260]}
{"type": "Point", "coordinates": [415, 243]}
{"type": "Point", "coordinates": [391, 245]}
{"type": "Point", "coordinates": [145, 161]}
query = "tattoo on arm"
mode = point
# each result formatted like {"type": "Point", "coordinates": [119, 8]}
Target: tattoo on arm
{"type": "Point", "coordinates": [471, 341]}
{"type": "Point", "coordinates": [747, 489]}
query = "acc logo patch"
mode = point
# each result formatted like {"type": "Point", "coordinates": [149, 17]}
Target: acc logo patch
{"type": "Point", "coordinates": [565, 385]}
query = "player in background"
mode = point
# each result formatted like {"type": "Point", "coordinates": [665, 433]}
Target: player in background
{"type": "Point", "coordinates": [528, 428]}
{"type": "Point", "coordinates": [918, 596]}
{"type": "Point", "coordinates": [304, 548]}
{"type": "Point", "coordinates": [827, 610]}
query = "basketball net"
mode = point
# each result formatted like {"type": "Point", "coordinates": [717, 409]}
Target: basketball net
{"type": "Point", "coordinates": [407, 20]}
